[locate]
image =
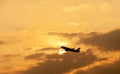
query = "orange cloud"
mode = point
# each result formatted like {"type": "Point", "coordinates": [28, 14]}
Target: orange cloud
{"type": "Point", "coordinates": [59, 64]}
{"type": "Point", "coordinates": [107, 41]}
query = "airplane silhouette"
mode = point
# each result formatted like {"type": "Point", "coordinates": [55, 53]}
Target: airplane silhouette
{"type": "Point", "coordinates": [70, 49]}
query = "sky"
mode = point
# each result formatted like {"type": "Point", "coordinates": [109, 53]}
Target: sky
{"type": "Point", "coordinates": [32, 31]}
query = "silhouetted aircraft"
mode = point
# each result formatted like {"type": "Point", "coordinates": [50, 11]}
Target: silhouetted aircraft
{"type": "Point", "coordinates": [70, 49]}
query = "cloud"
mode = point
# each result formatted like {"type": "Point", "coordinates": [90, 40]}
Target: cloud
{"type": "Point", "coordinates": [34, 56]}
{"type": "Point", "coordinates": [58, 64]}
{"type": "Point", "coordinates": [10, 55]}
{"type": "Point", "coordinates": [2, 42]}
{"type": "Point", "coordinates": [67, 35]}
{"type": "Point", "coordinates": [81, 6]}
{"type": "Point", "coordinates": [108, 41]}
{"type": "Point", "coordinates": [103, 69]}
{"type": "Point", "coordinates": [48, 48]}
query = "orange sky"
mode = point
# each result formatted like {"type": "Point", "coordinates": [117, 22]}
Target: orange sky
{"type": "Point", "coordinates": [55, 15]}
{"type": "Point", "coordinates": [32, 31]}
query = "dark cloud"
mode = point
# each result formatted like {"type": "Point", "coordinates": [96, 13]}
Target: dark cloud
{"type": "Point", "coordinates": [106, 41]}
{"type": "Point", "coordinates": [67, 35]}
{"type": "Point", "coordinates": [11, 55]}
{"type": "Point", "coordinates": [103, 69]}
{"type": "Point", "coordinates": [34, 56]}
{"type": "Point", "coordinates": [58, 64]}
{"type": "Point", "coordinates": [48, 48]}
{"type": "Point", "coordinates": [2, 42]}
{"type": "Point", "coordinates": [40, 53]}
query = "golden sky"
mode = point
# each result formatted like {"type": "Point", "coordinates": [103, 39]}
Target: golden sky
{"type": "Point", "coordinates": [32, 31]}
{"type": "Point", "coordinates": [59, 15]}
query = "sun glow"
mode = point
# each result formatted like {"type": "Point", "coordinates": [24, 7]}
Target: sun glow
{"type": "Point", "coordinates": [62, 43]}
{"type": "Point", "coordinates": [55, 41]}
{"type": "Point", "coordinates": [62, 51]}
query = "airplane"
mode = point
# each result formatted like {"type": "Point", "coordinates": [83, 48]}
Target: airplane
{"type": "Point", "coordinates": [70, 49]}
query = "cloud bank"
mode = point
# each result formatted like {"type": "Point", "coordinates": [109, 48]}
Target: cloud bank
{"type": "Point", "coordinates": [103, 69]}
{"type": "Point", "coordinates": [107, 41]}
{"type": "Point", "coordinates": [59, 64]}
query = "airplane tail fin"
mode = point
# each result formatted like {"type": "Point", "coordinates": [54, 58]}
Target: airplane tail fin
{"type": "Point", "coordinates": [78, 49]}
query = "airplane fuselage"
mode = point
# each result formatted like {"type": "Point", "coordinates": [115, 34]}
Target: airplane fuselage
{"type": "Point", "coordinates": [70, 49]}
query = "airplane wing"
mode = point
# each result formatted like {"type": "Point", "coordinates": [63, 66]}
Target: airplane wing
{"type": "Point", "coordinates": [66, 48]}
